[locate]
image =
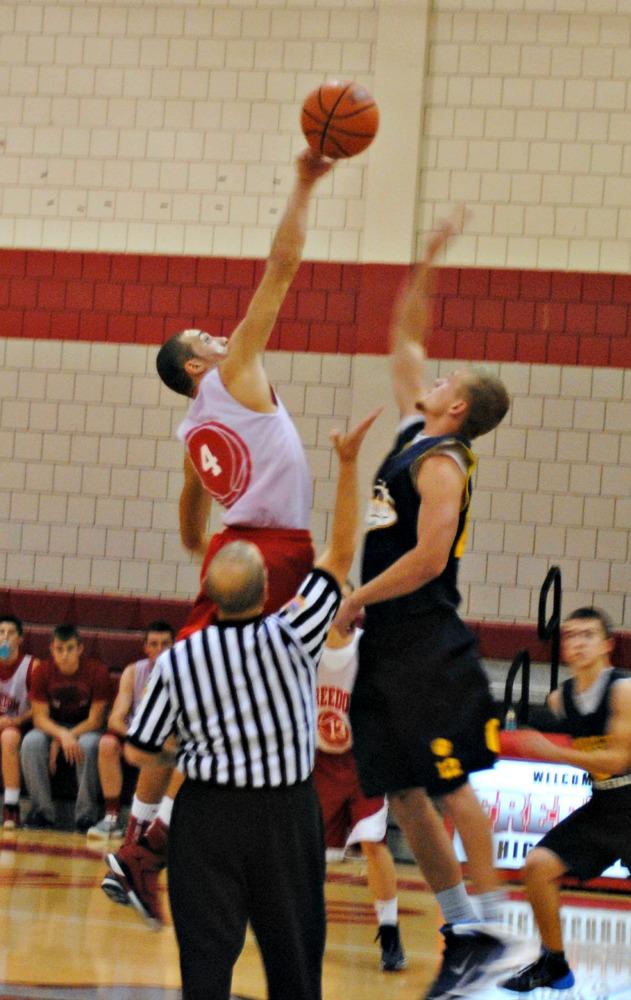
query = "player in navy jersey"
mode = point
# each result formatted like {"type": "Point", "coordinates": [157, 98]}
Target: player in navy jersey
{"type": "Point", "coordinates": [421, 710]}
{"type": "Point", "coordinates": [594, 707]}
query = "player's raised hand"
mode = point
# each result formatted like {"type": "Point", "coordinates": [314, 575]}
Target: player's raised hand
{"type": "Point", "coordinates": [346, 618]}
{"type": "Point", "coordinates": [347, 445]}
{"type": "Point", "coordinates": [310, 166]}
{"type": "Point", "coordinates": [445, 231]}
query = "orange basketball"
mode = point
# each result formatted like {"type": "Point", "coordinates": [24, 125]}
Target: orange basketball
{"type": "Point", "coordinates": [339, 119]}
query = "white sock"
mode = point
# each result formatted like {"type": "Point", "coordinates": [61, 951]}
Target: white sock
{"type": "Point", "coordinates": [144, 812]}
{"type": "Point", "coordinates": [11, 796]}
{"type": "Point", "coordinates": [490, 903]}
{"type": "Point", "coordinates": [165, 810]}
{"type": "Point", "coordinates": [456, 905]}
{"type": "Point", "coordinates": [387, 911]}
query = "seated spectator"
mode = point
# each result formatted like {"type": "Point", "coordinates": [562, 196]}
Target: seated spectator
{"type": "Point", "coordinates": [16, 669]}
{"type": "Point", "coordinates": [158, 637]}
{"type": "Point", "coordinates": [69, 695]}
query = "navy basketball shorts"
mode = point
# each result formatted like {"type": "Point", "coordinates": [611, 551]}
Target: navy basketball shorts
{"type": "Point", "coordinates": [594, 836]}
{"type": "Point", "coordinates": [421, 710]}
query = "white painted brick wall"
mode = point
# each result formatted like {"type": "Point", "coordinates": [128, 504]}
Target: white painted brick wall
{"type": "Point", "coordinates": [535, 103]}
{"type": "Point", "coordinates": [145, 128]}
{"type": "Point", "coordinates": [134, 128]}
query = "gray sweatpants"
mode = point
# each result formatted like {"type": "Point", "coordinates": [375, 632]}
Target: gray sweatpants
{"type": "Point", "coordinates": [34, 756]}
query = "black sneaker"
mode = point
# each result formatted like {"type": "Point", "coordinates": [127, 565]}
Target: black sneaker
{"type": "Point", "coordinates": [470, 958]}
{"type": "Point", "coordinates": [392, 955]}
{"type": "Point", "coordinates": [83, 823]}
{"type": "Point", "coordinates": [548, 970]}
{"type": "Point", "coordinates": [36, 820]}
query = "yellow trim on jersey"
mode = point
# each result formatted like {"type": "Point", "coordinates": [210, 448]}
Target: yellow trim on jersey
{"type": "Point", "coordinates": [461, 542]}
{"type": "Point", "coordinates": [470, 458]}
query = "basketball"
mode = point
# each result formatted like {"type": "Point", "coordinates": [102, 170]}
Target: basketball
{"type": "Point", "coordinates": [339, 119]}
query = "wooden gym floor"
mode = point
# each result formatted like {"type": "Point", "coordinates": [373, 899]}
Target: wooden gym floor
{"type": "Point", "coordinates": [62, 939]}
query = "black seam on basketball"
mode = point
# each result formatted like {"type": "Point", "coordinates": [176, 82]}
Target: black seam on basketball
{"type": "Point", "coordinates": [312, 116]}
{"type": "Point", "coordinates": [352, 132]}
{"type": "Point", "coordinates": [355, 111]}
{"type": "Point", "coordinates": [331, 113]}
{"type": "Point", "coordinates": [338, 145]}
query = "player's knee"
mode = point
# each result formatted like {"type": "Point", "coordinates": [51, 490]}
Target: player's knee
{"type": "Point", "coordinates": [540, 864]}
{"type": "Point", "coordinates": [10, 740]}
{"type": "Point", "coordinates": [109, 747]}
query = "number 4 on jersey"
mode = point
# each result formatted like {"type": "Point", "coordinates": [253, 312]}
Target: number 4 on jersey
{"type": "Point", "coordinates": [208, 460]}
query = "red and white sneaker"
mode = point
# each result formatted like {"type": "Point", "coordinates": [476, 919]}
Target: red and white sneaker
{"type": "Point", "coordinates": [11, 817]}
{"type": "Point", "coordinates": [132, 878]}
{"type": "Point", "coordinates": [135, 829]}
{"type": "Point", "coordinates": [156, 837]}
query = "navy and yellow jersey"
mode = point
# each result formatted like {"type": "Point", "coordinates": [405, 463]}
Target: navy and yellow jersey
{"type": "Point", "coordinates": [589, 730]}
{"type": "Point", "coordinates": [391, 523]}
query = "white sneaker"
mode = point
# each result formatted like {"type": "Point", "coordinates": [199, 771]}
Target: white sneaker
{"type": "Point", "coordinates": [109, 826]}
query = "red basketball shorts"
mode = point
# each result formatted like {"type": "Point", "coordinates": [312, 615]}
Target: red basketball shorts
{"type": "Point", "coordinates": [288, 555]}
{"type": "Point", "coordinates": [349, 816]}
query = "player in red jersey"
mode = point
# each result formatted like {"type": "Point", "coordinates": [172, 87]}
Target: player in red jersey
{"type": "Point", "coordinates": [16, 669]}
{"type": "Point", "coordinates": [244, 452]}
{"type": "Point", "coordinates": [350, 817]}
{"type": "Point", "coordinates": [242, 448]}
{"type": "Point", "coordinates": [70, 694]}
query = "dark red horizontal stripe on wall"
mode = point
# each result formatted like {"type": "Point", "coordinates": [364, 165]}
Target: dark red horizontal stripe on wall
{"type": "Point", "coordinates": [490, 314]}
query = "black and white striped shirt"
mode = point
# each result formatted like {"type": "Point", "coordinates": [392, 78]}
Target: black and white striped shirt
{"type": "Point", "coordinates": [240, 696]}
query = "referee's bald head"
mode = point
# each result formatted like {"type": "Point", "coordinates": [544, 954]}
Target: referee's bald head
{"type": "Point", "coordinates": [236, 580]}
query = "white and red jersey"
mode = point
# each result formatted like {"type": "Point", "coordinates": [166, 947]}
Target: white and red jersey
{"type": "Point", "coordinates": [252, 463]}
{"type": "Point", "coordinates": [142, 671]}
{"type": "Point", "coordinates": [14, 698]}
{"type": "Point", "coordinates": [335, 678]}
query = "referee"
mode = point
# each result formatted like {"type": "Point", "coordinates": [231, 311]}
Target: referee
{"type": "Point", "coordinates": [246, 835]}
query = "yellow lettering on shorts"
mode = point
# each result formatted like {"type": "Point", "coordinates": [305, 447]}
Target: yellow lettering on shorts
{"type": "Point", "coordinates": [441, 747]}
{"type": "Point", "coordinates": [492, 735]}
{"type": "Point", "coordinates": [449, 768]}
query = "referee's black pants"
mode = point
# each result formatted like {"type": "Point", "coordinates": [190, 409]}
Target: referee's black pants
{"type": "Point", "coordinates": [248, 854]}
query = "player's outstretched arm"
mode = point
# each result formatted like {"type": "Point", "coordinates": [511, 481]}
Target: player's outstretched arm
{"type": "Point", "coordinates": [340, 552]}
{"type": "Point", "coordinates": [614, 758]}
{"type": "Point", "coordinates": [123, 702]}
{"type": "Point", "coordinates": [410, 322]}
{"type": "Point", "coordinates": [194, 511]}
{"type": "Point", "coordinates": [242, 370]}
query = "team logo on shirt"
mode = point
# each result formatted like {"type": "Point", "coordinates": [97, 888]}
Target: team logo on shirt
{"type": "Point", "coordinates": [381, 511]}
{"type": "Point", "coordinates": [334, 734]}
{"type": "Point", "coordinates": [8, 704]}
{"type": "Point", "coordinates": [222, 460]}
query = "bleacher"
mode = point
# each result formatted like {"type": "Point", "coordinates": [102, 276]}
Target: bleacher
{"type": "Point", "coordinates": [111, 627]}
